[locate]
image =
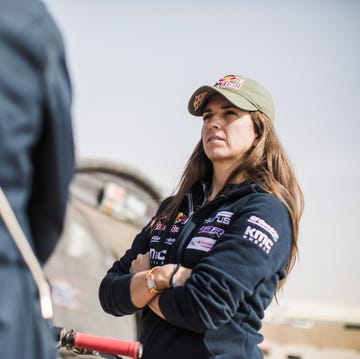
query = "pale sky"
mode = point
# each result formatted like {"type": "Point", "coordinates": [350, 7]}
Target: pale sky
{"type": "Point", "coordinates": [134, 65]}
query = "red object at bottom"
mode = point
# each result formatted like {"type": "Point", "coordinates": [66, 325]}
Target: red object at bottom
{"type": "Point", "coordinates": [108, 345]}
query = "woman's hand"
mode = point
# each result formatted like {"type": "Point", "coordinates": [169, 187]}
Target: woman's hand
{"type": "Point", "coordinates": [139, 292]}
{"type": "Point", "coordinates": [141, 263]}
{"type": "Point", "coordinates": [182, 275]}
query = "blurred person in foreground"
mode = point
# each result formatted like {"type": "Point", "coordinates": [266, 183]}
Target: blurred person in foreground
{"type": "Point", "coordinates": [213, 257]}
{"type": "Point", "coordinates": [36, 165]}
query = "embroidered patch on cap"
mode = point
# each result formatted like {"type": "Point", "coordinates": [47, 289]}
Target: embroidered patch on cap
{"type": "Point", "coordinates": [199, 99]}
{"type": "Point", "coordinates": [230, 81]}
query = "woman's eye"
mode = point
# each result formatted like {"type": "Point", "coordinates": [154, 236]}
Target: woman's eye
{"type": "Point", "coordinates": [231, 113]}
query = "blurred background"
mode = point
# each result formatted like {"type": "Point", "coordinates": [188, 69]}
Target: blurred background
{"type": "Point", "coordinates": [134, 66]}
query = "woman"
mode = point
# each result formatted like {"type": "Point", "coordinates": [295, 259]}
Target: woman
{"type": "Point", "coordinates": [214, 255]}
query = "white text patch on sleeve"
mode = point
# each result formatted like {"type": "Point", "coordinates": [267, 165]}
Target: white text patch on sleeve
{"type": "Point", "coordinates": [201, 244]}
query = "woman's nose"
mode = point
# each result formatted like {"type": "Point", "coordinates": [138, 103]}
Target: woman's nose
{"type": "Point", "coordinates": [213, 123]}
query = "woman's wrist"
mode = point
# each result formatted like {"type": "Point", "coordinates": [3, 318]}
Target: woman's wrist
{"type": "Point", "coordinates": [151, 281]}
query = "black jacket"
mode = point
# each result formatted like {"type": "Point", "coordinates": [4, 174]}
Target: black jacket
{"type": "Point", "coordinates": [238, 246]}
{"type": "Point", "coordinates": [36, 140]}
{"type": "Point", "coordinates": [36, 165]}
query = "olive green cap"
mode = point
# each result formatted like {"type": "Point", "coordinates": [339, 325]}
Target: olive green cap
{"type": "Point", "coordinates": [242, 92]}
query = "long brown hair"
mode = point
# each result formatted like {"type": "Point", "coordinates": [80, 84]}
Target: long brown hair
{"type": "Point", "coordinates": [265, 164]}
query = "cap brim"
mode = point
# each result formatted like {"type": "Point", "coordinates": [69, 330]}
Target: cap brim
{"type": "Point", "coordinates": [208, 91]}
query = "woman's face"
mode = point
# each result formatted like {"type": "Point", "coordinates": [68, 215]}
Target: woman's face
{"type": "Point", "coordinates": [227, 132]}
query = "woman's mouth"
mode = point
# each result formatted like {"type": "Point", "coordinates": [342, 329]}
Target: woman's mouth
{"type": "Point", "coordinates": [215, 138]}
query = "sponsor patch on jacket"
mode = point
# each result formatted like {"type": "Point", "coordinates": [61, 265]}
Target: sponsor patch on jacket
{"type": "Point", "coordinates": [261, 233]}
{"type": "Point", "coordinates": [155, 239]}
{"type": "Point", "coordinates": [201, 244]}
{"type": "Point", "coordinates": [175, 229]}
{"type": "Point", "coordinates": [180, 218]}
{"type": "Point", "coordinates": [220, 217]}
{"type": "Point", "coordinates": [160, 226]}
{"type": "Point", "coordinates": [157, 257]}
{"type": "Point", "coordinates": [170, 241]}
{"type": "Point", "coordinates": [260, 222]}
{"type": "Point", "coordinates": [215, 231]}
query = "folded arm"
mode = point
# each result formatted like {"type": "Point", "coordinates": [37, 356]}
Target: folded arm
{"type": "Point", "coordinates": [139, 291]}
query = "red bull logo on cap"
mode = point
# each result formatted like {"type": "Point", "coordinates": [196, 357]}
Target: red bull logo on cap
{"type": "Point", "coordinates": [230, 81]}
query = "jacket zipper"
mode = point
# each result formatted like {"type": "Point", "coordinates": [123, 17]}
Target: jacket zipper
{"type": "Point", "coordinates": [189, 227]}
